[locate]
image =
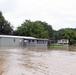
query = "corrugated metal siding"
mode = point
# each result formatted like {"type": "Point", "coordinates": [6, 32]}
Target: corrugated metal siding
{"type": "Point", "coordinates": [10, 42]}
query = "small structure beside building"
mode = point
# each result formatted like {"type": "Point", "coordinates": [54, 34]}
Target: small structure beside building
{"type": "Point", "coordinates": [50, 41]}
{"type": "Point", "coordinates": [8, 40]}
{"type": "Point", "coordinates": [63, 41]}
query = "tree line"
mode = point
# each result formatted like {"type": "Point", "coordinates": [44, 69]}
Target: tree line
{"type": "Point", "coordinates": [37, 29]}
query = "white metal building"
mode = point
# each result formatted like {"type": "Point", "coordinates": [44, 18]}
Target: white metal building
{"type": "Point", "coordinates": [8, 40]}
{"type": "Point", "coordinates": [63, 41]}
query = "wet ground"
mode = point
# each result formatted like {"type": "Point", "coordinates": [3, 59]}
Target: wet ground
{"type": "Point", "coordinates": [38, 60]}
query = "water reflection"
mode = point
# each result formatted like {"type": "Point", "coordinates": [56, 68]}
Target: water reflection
{"type": "Point", "coordinates": [20, 60]}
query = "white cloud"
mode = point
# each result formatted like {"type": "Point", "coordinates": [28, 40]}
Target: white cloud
{"type": "Point", "coordinates": [58, 13]}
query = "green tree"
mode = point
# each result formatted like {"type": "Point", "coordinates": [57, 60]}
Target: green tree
{"type": "Point", "coordinates": [67, 33]}
{"type": "Point", "coordinates": [55, 36]}
{"type": "Point", "coordinates": [71, 35]}
{"type": "Point", "coordinates": [48, 28]}
{"type": "Point", "coordinates": [60, 33]}
{"type": "Point", "coordinates": [5, 27]}
{"type": "Point", "coordinates": [36, 29]}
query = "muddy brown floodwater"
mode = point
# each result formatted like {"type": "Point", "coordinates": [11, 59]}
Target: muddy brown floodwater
{"type": "Point", "coordinates": [38, 60]}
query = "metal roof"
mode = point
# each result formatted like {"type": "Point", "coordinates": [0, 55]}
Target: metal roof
{"type": "Point", "coordinates": [41, 39]}
{"type": "Point", "coordinates": [23, 37]}
{"type": "Point", "coordinates": [10, 36]}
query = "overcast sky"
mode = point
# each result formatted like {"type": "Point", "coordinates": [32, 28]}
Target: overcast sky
{"type": "Point", "coordinates": [58, 13]}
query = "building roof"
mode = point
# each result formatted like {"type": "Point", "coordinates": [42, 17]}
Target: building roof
{"type": "Point", "coordinates": [23, 37]}
{"type": "Point", "coordinates": [10, 36]}
{"type": "Point", "coordinates": [42, 39]}
{"type": "Point", "coordinates": [63, 39]}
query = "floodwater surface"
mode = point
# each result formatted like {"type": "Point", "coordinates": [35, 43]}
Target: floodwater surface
{"type": "Point", "coordinates": [38, 60]}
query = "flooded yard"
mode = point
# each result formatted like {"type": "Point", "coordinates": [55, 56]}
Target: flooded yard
{"type": "Point", "coordinates": [38, 60]}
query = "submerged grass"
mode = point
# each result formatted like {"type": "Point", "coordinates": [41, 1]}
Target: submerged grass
{"type": "Point", "coordinates": [54, 44]}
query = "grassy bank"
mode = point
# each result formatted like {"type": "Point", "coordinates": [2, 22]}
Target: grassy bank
{"type": "Point", "coordinates": [56, 44]}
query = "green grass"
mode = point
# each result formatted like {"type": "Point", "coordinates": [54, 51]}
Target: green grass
{"type": "Point", "coordinates": [56, 45]}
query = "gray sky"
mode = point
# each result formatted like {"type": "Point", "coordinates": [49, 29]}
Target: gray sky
{"type": "Point", "coordinates": [58, 13]}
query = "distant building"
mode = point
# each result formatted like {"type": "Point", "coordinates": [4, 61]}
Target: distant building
{"type": "Point", "coordinates": [8, 40]}
{"type": "Point", "coordinates": [63, 41]}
